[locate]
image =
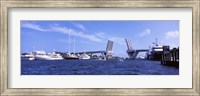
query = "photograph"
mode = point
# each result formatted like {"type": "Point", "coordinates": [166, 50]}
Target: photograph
{"type": "Point", "coordinates": [99, 47]}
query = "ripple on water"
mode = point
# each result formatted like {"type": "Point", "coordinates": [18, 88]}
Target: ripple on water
{"type": "Point", "coordinates": [96, 67]}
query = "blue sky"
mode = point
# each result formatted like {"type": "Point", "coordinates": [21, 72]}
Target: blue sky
{"type": "Point", "coordinates": [93, 35]}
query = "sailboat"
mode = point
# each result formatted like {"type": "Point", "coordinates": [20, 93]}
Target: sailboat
{"type": "Point", "coordinates": [70, 55]}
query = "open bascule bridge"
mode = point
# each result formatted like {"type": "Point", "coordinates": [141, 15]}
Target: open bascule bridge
{"type": "Point", "coordinates": [132, 53]}
{"type": "Point", "coordinates": [107, 54]}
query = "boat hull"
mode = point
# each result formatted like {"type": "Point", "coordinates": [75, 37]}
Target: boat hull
{"type": "Point", "coordinates": [71, 58]}
{"type": "Point", "coordinates": [157, 56]}
{"type": "Point", "coordinates": [37, 57]}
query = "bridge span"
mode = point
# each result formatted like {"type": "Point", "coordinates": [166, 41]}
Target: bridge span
{"type": "Point", "coordinates": [106, 54]}
{"type": "Point", "coordinates": [132, 53]}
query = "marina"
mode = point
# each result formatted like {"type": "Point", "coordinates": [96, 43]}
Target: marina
{"type": "Point", "coordinates": [159, 60]}
{"type": "Point", "coordinates": [103, 48]}
{"type": "Point", "coordinates": [157, 53]}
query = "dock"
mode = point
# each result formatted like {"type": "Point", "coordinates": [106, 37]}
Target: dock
{"type": "Point", "coordinates": [170, 57]}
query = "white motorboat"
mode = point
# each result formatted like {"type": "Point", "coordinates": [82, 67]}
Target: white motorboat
{"type": "Point", "coordinates": [70, 56]}
{"type": "Point", "coordinates": [55, 56]}
{"type": "Point", "coordinates": [41, 55]}
{"type": "Point", "coordinates": [31, 58]}
{"type": "Point", "coordinates": [84, 56]}
{"type": "Point", "coordinates": [27, 56]}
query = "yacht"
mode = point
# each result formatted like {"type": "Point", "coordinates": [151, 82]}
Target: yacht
{"type": "Point", "coordinates": [84, 56]}
{"type": "Point", "coordinates": [70, 56]}
{"type": "Point", "coordinates": [55, 56]}
{"type": "Point", "coordinates": [27, 56]}
{"type": "Point", "coordinates": [155, 52]}
{"type": "Point", "coordinates": [41, 55]}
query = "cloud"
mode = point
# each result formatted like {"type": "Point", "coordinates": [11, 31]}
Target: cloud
{"type": "Point", "coordinates": [118, 40]}
{"type": "Point", "coordinates": [101, 35]}
{"type": "Point", "coordinates": [80, 26]}
{"type": "Point", "coordinates": [97, 37]}
{"type": "Point", "coordinates": [145, 32]}
{"type": "Point", "coordinates": [64, 30]}
{"type": "Point", "coordinates": [72, 32]}
{"type": "Point", "coordinates": [33, 26]}
{"type": "Point", "coordinates": [172, 34]}
{"type": "Point", "coordinates": [115, 39]}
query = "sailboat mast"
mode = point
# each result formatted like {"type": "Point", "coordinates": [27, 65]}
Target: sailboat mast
{"type": "Point", "coordinates": [69, 42]}
{"type": "Point", "coordinates": [74, 45]}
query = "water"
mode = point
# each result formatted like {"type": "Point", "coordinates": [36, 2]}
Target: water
{"type": "Point", "coordinates": [96, 67]}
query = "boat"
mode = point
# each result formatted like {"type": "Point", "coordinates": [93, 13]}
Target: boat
{"type": "Point", "coordinates": [70, 56]}
{"type": "Point", "coordinates": [95, 57]}
{"type": "Point", "coordinates": [84, 56]}
{"type": "Point", "coordinates": [120, 59]}
{"type": "Point", "coordinates": [32, 58]}
{"type": "Point", "coordinates": [155, 52]}
{"type": "Point", "coordinates": [41, 55]}
{"type": "Point", "coordinates": [27, 56]}
{"type": "Point", "coordinates": [140, 57]}
{"type": "Point", "coordinates": [55, 56]}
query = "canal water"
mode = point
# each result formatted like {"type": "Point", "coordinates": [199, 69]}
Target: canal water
{"type": "Point", "coordinates": [96, 67]}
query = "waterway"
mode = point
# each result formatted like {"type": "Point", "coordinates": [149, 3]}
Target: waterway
{"type": "Point", "coordinates": [96, 67]}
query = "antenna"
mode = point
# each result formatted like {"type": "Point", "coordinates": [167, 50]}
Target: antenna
{"type": "Point", "coordinates": [156, 42]}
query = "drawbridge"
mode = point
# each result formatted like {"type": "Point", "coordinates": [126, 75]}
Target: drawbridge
{"type": "Point", "coordinates": [132, 53]}
{"type": "Point", "coordinates": [105, 53]}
